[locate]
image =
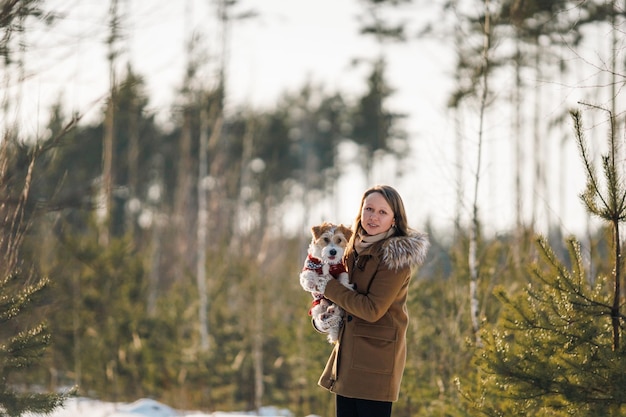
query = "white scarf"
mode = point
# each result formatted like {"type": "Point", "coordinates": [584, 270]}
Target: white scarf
{"type": "Point", "coordinates": [364, 241]}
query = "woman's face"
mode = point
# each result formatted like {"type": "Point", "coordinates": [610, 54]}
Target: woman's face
{"type": "Point", "coordinates": [376, 214]}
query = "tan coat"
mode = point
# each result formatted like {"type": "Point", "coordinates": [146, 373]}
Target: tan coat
{"type": "Point", "coordinates": [368, 360]}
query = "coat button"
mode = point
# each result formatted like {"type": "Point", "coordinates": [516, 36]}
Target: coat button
{"type": "Point", "coordinates": [349, 317]}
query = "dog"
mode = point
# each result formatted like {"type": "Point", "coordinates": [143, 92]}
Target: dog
{"type": "Point", "coordinates": [325, 253]}
{"type": "Point", "coordinates": [323, 263]}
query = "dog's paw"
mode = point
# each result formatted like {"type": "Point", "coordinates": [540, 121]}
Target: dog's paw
{"type": "Point", "coordinates": [320, 285]}
{"type": "Point", "coordinates": [308, 286]}
{"type": "Point", "coordinates": [319, 325]}
{"type": "Point", "coordinates": [317, 295]}
{"type": "Point", "coordinates": [332, 321]}
{"type": "Point", "coordinates": [308, 281]}
{"type": "Point", "coordinates": [326, 322]}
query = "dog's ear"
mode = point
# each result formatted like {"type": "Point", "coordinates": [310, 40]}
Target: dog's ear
{"type": "Point", "coordinates": [347, 232]}
{"type": "Point", "coordinates": [316, 231]}
{"type": "Point", "coordinates": [319, 230]}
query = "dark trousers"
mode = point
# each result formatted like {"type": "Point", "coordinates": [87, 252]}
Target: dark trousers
{"type": "Point", "coordinates": [355, 407]}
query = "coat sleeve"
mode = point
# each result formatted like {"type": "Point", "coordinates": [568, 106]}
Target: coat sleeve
{"type": "Point", "coordinates": [372, 306]}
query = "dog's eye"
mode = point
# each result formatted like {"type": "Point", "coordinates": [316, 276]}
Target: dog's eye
{"type": "Point", "coordinates": [327, 240]}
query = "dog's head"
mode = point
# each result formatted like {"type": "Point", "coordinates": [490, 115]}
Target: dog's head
{"type": "Point", "coordinates": [329, 242]}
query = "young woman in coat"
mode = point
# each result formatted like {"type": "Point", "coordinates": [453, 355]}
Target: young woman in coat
{"type": "Point", "coordinates": [366, 366]}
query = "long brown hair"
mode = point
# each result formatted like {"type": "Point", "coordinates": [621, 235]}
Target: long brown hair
{"type": "Point", "coordinates": [397, 206]}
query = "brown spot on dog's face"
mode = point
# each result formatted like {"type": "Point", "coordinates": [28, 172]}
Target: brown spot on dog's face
{"type": "Point", "coordinates": [336, 237]}
{"type": "Point", "coordinates": [318, 230]}
{"type": "Point", "coordinates": [346, 231]}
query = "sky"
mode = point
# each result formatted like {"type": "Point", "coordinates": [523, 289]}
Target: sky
{"type": "Point", "coordinates": [287, 44]}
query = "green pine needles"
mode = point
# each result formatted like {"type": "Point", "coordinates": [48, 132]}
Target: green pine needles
{"type": "Point", "coordinates": [24, 337]}
{"type": "Point", "coordinates": [556, 348]}
{"type": "Point", "coordinates": [551, 352]}
{"type": "Point", "coordinates": [21, 348]}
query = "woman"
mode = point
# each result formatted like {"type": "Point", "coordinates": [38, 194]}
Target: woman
{"type": "Point", "coordinates": [365, 368]}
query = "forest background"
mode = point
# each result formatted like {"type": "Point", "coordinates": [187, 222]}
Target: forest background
{"type": "Point", "coordinates": [161, 250]}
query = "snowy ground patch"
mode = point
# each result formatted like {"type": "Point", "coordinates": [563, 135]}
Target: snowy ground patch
{"type": "Point", "coordinates": [85, 407]}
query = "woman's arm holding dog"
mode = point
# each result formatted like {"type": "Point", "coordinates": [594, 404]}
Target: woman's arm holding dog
{"type": "Point", "coordinates": [372, 306]}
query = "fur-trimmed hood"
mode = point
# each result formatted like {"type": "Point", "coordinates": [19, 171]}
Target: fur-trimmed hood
{"type": "Point", "coordinates": [401, 251]}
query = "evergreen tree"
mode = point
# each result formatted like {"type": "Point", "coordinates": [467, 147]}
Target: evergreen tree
{"type": "Point", "coordinates": [376, 129]}
{"type": "Point", "coordinates": [21, 348]}
{"type": "Point", "coordinates": [23, 337]}
{"type": "Point", "coordinates": [555, 350]}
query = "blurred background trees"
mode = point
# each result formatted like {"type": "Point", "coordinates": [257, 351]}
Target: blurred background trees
{"type": "Point", "coordinates": [192, 295]}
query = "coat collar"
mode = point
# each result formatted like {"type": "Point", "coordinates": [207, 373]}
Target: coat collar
{"type": "Point", "coordinates": [398, 252]}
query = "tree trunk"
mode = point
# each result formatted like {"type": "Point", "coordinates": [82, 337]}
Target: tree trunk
{"type": "Point", "coordinates": [108, 144]}
{"type": "Point", "coordinates": [518, 156]}
{"type": "Point", "coordinates": [473, 262]}
{"type": "Point", "coordinates": [203, 217]}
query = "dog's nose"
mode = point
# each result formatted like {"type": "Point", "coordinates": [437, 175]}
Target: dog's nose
{"type": "Point", "coordinates": [333, 252]}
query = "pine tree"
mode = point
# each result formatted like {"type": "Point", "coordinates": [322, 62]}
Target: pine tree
{"type": "Point", "coordinates": [21, 349]}
{"type": "Point", "coordinates": [23, 338]}
{"type": "Point", "coordinates": [556, 348]}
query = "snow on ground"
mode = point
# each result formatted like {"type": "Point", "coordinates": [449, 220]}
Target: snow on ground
{"type": "Point", "coordinates": [85, 407]}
